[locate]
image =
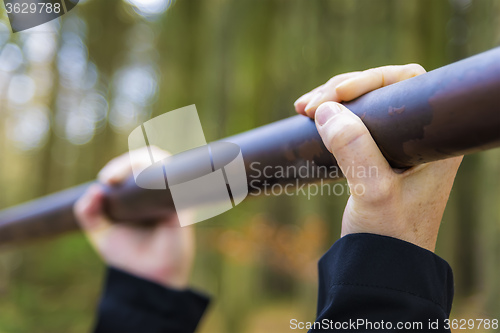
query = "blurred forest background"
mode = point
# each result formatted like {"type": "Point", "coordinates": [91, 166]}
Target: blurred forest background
{"type": "Point", "coordinates": [73, 89]}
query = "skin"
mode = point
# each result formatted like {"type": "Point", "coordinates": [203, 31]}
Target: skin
{"type": "Point", "coordinates": [407, 205]}
{"type": "Point", "coordinates": [162, 252]}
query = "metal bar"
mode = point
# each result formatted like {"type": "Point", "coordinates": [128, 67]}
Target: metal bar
{"type": "Point", "coordinates": [450, 111]}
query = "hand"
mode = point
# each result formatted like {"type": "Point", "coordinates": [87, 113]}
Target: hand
{"type": "Point", "coordinates": [407, 205]}
{"type": "Point", "coordinates": [162, 252]}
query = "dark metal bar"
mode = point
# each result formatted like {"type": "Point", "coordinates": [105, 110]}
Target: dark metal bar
{"type": "Point", "coordinates": [450, 111]}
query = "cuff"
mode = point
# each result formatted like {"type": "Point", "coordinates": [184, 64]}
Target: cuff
{"type": "Point", "coordinates": [133, 304]}
{"type": "Point", "coordinates": [368, 260]}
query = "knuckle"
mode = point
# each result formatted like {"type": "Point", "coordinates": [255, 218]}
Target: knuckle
{"type": "Point", "coordinates": [344, 131]}
{"type": "Point", "coordinates": [378, 70]}
{"type": "Point", "coordinates": [377, 73]}
{"type": "Point", "coordinates": [334, 80]}
{"type": "Point", "coordinates": [384, 189]}
{"type": "Point", "coordinates": [382, 192]}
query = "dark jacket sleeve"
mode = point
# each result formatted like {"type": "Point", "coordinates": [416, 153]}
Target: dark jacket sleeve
{"type": "Point", "coordinates": [367, 280]}
{"type": "Point", "coordinates": [132, 304]}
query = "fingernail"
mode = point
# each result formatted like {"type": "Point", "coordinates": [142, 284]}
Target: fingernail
{"type": "Point", "coordinates": [343, 84]}
{"type": "Point", "coordinates": [314, 101]}
{"type": "Point", "coordinates": [326, 111]}
{"type": "Point", "coordinates": [300, 99]}
{"type": "Point", "coordinates": [345, 89]}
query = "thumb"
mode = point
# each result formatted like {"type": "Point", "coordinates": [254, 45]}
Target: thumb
{"type": "Point", "coordinates": [89, 213]}
{"type": "Point", "coordinates": [348, 139]}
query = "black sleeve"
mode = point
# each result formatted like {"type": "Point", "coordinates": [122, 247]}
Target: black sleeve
{"type": "Point", "coordinates": [366, 281]}
{"type": "Point", "coordinates": [133, 304]}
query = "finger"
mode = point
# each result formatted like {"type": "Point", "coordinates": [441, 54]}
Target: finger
{"type": "Point", "coordinates": [89, 209]}
{"type": "Point", "coordinates": [302, 101]}
{"type": "Point", "coordinates": [375, 78]}
{"type": "Point", "coordinates": [115, 170]}
{"type": "Point", "coordinates": [348, 139]}
{"type": "Point", "coordinates": [120, 168]}
{"type": "Point", "coordinates": [327, 93]}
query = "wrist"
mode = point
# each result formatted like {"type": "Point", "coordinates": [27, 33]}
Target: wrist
{"type": "Point", "coordinates": [425, 239]}
{"type": "Point", "coordinates": [164, 276]}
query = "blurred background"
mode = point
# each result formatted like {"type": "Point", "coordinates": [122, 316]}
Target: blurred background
{"type": "Point", "coordinates": [72, 90]}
